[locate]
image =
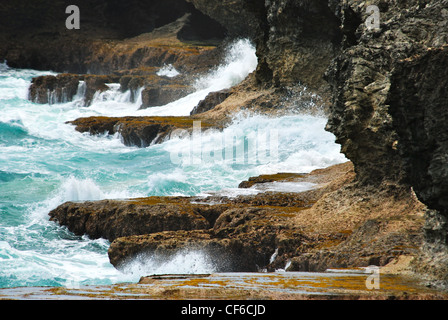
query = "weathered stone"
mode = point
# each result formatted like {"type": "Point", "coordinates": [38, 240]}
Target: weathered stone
{"type": "Point", "coordinates": [140, 131]}
{"type": "Point", "coordinates": [212, 100]}
{"type": "Point", "coordinates": [111, 219]}
{"type": "Point", "coordinates": [35, 36]}
{"type": "Point", "coordinates": [54, 89]}
{"type": "Point", "coordinates": [157, 96]}
{"type": "Point", "coordinates": [388, 97]}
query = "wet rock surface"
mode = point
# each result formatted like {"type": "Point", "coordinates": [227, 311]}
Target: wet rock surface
{"type": "Point", "coordinates": [335, 225]}
{"type": "Point", "coordinates": [141, 131]}
{"type": "Point", "coordinates": [349, 285]}
{"type": "Point", "coordinates": [54, 89]}
{"type": "Point", "coordinates": [384, 92]}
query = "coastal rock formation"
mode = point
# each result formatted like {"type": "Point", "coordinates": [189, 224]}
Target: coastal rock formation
{"type": "Point", "coordinates": [389, 105]}
{"type": "Point", "coordinates": [212, 100]}
{"type": "Point", "coordinates": [157, 96]}
{"type": "Point", "coordinates": [384, 91]}
{"type": "Point", "coordinates": [298, 231]}
{"type": "Point", "coordinates": [35, 35]}
{"type": "Point", "coordinates": [141, 131]}
{"type": "Point", "coordinates": [270, 230]}
{"type": "Point", "coordinates": [54, 89]}
{"type": "Point", "coordinates": [112, 219]}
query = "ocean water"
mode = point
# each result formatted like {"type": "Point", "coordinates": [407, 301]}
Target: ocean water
{"type": "Point", "coordinates": [44, 162]}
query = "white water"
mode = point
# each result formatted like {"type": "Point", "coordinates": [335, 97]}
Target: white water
{"type": "Point", "coordinates": [183, 262]}
{"type": "Point", "coordinates": [168, 71]}
{"type": "Point", "coordinates": [44, 162]}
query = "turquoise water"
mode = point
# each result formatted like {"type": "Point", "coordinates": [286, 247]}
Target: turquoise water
{"type": "Point", "coordinates": [44, 162]}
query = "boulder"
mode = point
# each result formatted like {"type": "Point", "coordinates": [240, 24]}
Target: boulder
{"type": "Point", "coordinates": [54, 89]}
{"type": "Point", "coordinates": [212, 100]}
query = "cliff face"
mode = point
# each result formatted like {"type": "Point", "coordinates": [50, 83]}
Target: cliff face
{"type": "Point", "coordinates": [34, 34]}
{"type": "Point", "coordinates": [387, 87]}
{"type": "Point", "coordinates": [389, 102]}
{"type": "Point", "coordinates": [296, 40]}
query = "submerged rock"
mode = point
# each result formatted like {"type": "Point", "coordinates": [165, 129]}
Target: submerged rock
{"type": "Point", "coordinates": [250, 233]}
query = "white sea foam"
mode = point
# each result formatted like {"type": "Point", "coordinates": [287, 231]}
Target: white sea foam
{"type": "Point", "coordinates": [183, 262]}
{"type": "Point", "coordinates": [168, 71]}
{"type": "Point", "coordinates": [240, 61]}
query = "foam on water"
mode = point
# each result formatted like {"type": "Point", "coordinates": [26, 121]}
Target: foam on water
{"type": "Point", "coordinates": [44, 162]}
{"type": "Point", "coordinates": [183, 262]}
{"type": "Point", "coordinates": [241, 60]}
{"type": "Point", "coordinates": [168, 71]}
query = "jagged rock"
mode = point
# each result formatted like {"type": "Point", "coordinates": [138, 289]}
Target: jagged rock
{"type": "Point", "coordinates": [140, 131]}
{"type": "Point", "coordinates": [54, 89]}
{"type": "Point", "coordinates": [388, 100]}
{"type": "Point", "coordinates": [226, 254]}
{"type": "Point", "coordinates": [242, 239]}
{"type": "Point", "coordinates": [35, 36]}
{"type": "Point", "coordinates": [302, 39]}
{"type": "Point", "coordinates": [111, 219]}
{"type": "Point", "coordinates": [156, 96]}
{"type": "Point", "coordinates": [270, 178]}
{"type": "Point", "coordinates": [418, 101]}
{"type": "Point", "coordinates": [241, 18]}
{"type": "Point", "coordinates": [212, 100]}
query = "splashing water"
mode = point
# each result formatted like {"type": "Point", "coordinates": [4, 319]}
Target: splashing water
{"type": "Point", "coordinates": [44, 162]}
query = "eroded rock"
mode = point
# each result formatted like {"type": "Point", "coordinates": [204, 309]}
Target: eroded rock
{"type": "Point", "coordinates": [54, 89]}
{"type": "Point", "coordinates": [141, 131]}
{"type": "Point", "coordinates": [112, 219]}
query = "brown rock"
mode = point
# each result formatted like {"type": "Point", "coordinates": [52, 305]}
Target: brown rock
{"type": "Point", "coordinates": [212, 100]}
{"type": "Point", "coordinates": [54, 89]}
{"type": "Point", "coordinates": [139, 131]}
{"type": "Point", "coordinates": [157, 96]}
{"type": "Point", "coordinates": [111, 219]}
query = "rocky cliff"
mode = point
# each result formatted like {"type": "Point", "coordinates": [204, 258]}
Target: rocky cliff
{"type": "Point", "coordinates": [384, 89]}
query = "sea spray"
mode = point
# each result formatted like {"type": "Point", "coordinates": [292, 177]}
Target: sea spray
{"type": "Point", "coordinates": [186, 261]}
{"type": "Point", "coordinates": [168, 71]}
{"type": "Point", "coordinates": [240, 61]}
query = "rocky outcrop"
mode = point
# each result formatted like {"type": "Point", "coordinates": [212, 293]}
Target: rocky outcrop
{"type": "Point", "coordinates": [111, 219]}
{"type": "Point", "coordinates": [389, 105]}
{"type": "Point", "coordinates": [54, 89]}
{"type": "Point", "coordinates": [371, 115]}
{"type": "Point", "coordinates": [140, 131]}
{"type": "Point", "coordinates": [253, 227]}
{"type": "Point", "coordinates": [157, 96]}
{"type": "Point", "coordinates": [302, 39]}
{"type": "Point", "coordinates": [211, 101]}
{"type": "Point", "coordinates": [139, 76]}
{"type": "Point", "coordinates": [301, 231]}
{"type": "Point", "coordinates": [296, 40]}
{"type": "Point", "coordinates": [34, 35]}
